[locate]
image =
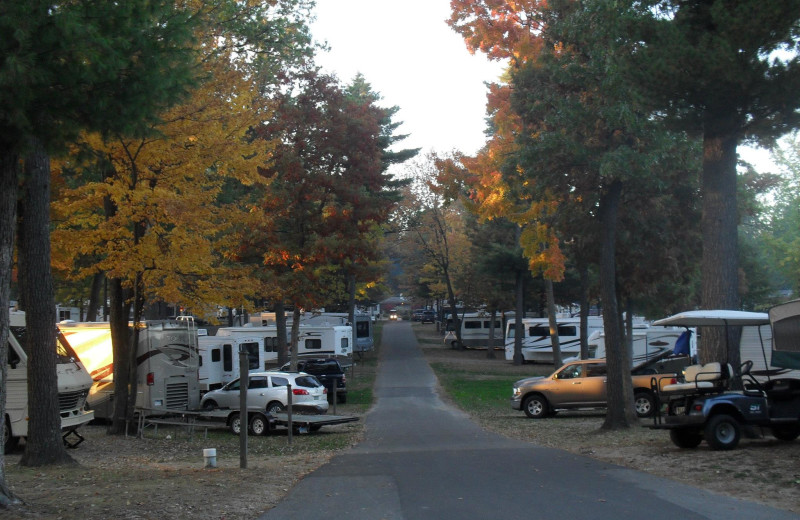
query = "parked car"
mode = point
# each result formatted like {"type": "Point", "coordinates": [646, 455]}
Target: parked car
{"type": "Point", "coordinates": [417, 315]}
{"type": "Point", "coordinates": [428, 316]}
{"type": "Point", "coordinates": [267, 391]}
{"type": "Point", "coordinates": [328, 371]}
{"type": "Point", "coordinates": [578, 384]}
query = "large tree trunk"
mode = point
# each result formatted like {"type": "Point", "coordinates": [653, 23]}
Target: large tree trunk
{"type": "Point", "coordinates": [8, 217]}
{"type": "Point", "coordinates": [553, 321]}
{"type": "Point", "coordinates": [94, 296]}
{"type": "Point", "coordinates": [280, 330]}
{"type": "Point", "coordinates": [620, 413]}
{"type": "Point", "coordinates": [584, 311]}
{"type": "Point", "coordinates": [121, 346]}
{"type": "Point", "coordinates": [493, 317]}
{"type": "Point", "coordinates": [44, 444]}
{"type": "Point", "coordinates": [520, 312]}
{"type": "Point", "coordinates": [293, 358]}
{"type": "Point", "coordinates": [720, 265]}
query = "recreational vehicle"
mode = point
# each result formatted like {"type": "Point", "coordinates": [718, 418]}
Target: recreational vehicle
{"type": "Point", "coordinates": [536, 345]}
{"type": "Point", "coordinates": [475, 328]}
{"type": "Point", "coordinates": [219, 359]}
{"type": "Point", "coordinates": [363, 325]}
{"type": "Point", "coordinates": [314, 340]}
{"type": "Point", "coordinates": [649, 344]}
{"type": "Point", "coordinates": [167, 364]}
{"type": "Point", "coordinates": [73, 383]}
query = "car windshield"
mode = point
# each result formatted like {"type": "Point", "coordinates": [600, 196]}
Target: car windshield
{"type": "Point", "coordinates": [307, 382]}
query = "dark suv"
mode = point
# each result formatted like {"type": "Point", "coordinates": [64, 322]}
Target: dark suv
{"type": "Point", "coordinates": [327, 371]}
{"type": "Point", "coordinates": [428, 316]}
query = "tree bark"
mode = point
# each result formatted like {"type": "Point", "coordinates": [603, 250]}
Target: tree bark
{"type": "Point", "coordinates": [720, 263]}
{"type": "Point", "coordinates": [520, 312]}
{"type": "Point", "coordinates": [94, 296]}
{"type": "Point", "coordinates": [620, 413]}
{"type": "Point", "coordinates": [44, 445]}
{"type": "Point", "coordinates": [280, 330]}
{"type": "Point", "coordinates": [552, 320]}
{"type": "Point", "coordinates": [8, 216]}
{"type": "Point", "coordinates": [121, 345]}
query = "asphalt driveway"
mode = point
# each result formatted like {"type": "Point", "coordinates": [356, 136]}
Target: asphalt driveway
{"type": "Point", "coordinates": [422, 459]}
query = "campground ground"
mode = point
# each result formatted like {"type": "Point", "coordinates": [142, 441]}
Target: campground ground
{"type": "Point", "coordinates": [161, 477]}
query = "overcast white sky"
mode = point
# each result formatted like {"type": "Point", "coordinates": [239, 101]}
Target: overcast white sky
{"type": "Point", "coordinates": [409, 55]}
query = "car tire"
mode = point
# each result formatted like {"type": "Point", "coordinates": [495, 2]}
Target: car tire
{"type": "Point", "coordinates": [786, 432]}
{"type": "Point", "coordinates": [259, 425]}
{"type": "Point", "coordinates": [210, 405]}
{"type": "Point", "coordinates": [235, 423]}
{"type": "Point", "coordinates": [535, 406]}
{"type": "Point", "coordinates": [644, 404]}
{"type": "Point", "coordinates": [685, 438]}
{"type": "Point", "coordinates": [275, 407]}
{"type": "Point", "coordinates": [723, 432]}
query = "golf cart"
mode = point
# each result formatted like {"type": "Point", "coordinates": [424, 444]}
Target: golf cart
{"type": "Point", "coordinates": [702, 405]}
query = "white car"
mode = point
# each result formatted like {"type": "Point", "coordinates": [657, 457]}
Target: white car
{"type": "Point", "coordinates": [267, 391]}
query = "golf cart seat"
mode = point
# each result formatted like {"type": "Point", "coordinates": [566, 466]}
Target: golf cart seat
{"type": "Point", "coordinates": [710, 377]}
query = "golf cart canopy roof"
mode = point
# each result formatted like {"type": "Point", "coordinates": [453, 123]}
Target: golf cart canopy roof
{"type": "Point", "coordinates": [719, 318]}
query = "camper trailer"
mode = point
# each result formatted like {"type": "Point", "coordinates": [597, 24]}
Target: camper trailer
{"type": "Point", "coordinates": [650, 344]}
{"type": "Point", "coordinates": [363, 325]}
{"type": "Point", "coordinates": [314, 340]}
{"type": "Point", "coordinates": [167, 361]}
{"type": "Point", "coordinates": [219, 359]}
{"type": "Point", "coordinates": [73, 383]}
{"type": "Point", "coordinates": [536, 345]}
{"type": "Point", "coordinates": [475, 328]}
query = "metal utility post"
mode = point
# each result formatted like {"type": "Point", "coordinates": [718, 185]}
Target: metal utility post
{"type": "Point", "coordinates": [243, 415]}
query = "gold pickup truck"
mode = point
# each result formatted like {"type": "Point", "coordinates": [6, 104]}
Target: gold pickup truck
{"type": "Point", "coordinates": [582, 384]}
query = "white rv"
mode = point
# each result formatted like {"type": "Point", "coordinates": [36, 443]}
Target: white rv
{"type": "Point", "coordinates": [314, 340]}
{"type": "Point", "coordinates": [649, 343]}
{"type": "Point", "coordinates": [167, 364]}
{"type": "Point", "coordinates": [536, 345]}
{"type": "Point", "coordinates": [74, 383]}
{"type": "Point", "coordinates": [475, 327]}
{"type": "Point", "coordinates": [219, 359]}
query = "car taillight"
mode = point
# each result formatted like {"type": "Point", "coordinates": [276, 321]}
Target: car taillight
{"type": "Point", "coordinates": [299, 391]}
{"type": "Point", "coordinates": [151, 379]}
{"type": "Point", "coordinates": [325, 390]}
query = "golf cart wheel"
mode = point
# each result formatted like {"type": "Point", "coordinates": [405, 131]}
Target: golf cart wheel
{"type": "Point", "coordinates": [644, 403]}
{"type": "Point", "coordinates": [723, 432]}
{"type": "Point", "coordinates": [685, 438]}
{"type": "Point", "coordinates": [786, 432]}
{"type": "Point", "coordinates": [259, 424]}
{"type": "Point", "coordinates": [235, 423]}
{"type": "Point", "coordinates": [535, 406]}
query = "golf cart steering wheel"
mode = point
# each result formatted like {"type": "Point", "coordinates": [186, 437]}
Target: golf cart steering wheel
{"type": "Point", "coordinates": [744, 369]}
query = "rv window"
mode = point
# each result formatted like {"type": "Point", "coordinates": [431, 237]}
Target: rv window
{"type": "Point", "coordinates": [252, 355]}
{"type": "Point", "coordinates": [488, 324]}
{"type": "Point", "coordinates": [510, 331]}
{"type": "Point", "coordinates": [472, 324]}
{"type": "Point", "coordinates": [313, 344]}
{"type": "Point", "coordinates": [538, 330]}
{"type": "Point", "coordinates": [362, 329]}
{"type": "Point", "coordinates": [345, 343]}
{"type": "Point", "coordinates": [279, 381]}
{"type": "Point", "coordinates": [215, 355]}
{"type": "Point", "coordinates": [567, 330]}
{"type": "Point", "coordinates": [271, 344]}
{"type": "Point", "coordinates": [544, 330]}
{"type": "Point", "coordinates": [227, 362]}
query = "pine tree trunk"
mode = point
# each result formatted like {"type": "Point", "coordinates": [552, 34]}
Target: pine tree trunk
{"type": "Point", "coordinates": [44, 445]}
{"type": "Point", "coordinates": [720, 264]}
{"type": "Point", "coordinates": [619, 388]}
{"type": "Point", "coordinates": [8, 217]}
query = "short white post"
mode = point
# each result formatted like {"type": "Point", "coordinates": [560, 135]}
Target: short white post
{"type": "Point", "coordinates": [210, 457]}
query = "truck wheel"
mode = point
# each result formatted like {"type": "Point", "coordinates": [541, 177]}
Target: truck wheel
{"type": "Point", "coordinates": [535, 406]}
{"type": "Point", "coordinates": [722, 432]}
{"type": "Point", "coordinates": [644, 403]}
{"type": "Point", "coordinates": [9, 442]}
{"type": "Point", "coordinates": [685, 438]}
{"type": "Point", "coordinates": [786, 432]}
{"type": "Point", "coordinates": [235, 423]}
{"type": "Point", "coordinates": [259, 424]}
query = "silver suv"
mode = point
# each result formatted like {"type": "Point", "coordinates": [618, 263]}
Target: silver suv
{"type": "Point", "coordinates": [267, 391]}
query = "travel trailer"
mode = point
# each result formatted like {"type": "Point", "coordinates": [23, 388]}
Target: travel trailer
{"type": "Point", "coordinates": [363, 325]}
{"type": "Point", "coordinates": [219, 359]}
{"type": "Point", "coordinates": [167, 357]}
{"type": "Point", "coordinates": [475, 328]}
{"type": "Point", "coordinates": [536, 345]}
{"type": "Point", "coordinates": [314, 340]}
{"type": "Point", "coordinates": [649, 344]}
{"type": "Point", "coordinates": [73, 383]}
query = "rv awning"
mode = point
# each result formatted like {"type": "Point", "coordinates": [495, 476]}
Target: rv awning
{"type": "Point", "coordinates": [710, 318]}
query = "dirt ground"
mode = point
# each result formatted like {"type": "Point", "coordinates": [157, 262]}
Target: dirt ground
{"type": "Point", "coordinates": [164, 476]}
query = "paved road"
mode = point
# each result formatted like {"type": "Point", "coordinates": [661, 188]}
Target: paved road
{"type": "Point", "coordinates": [424, 460]}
